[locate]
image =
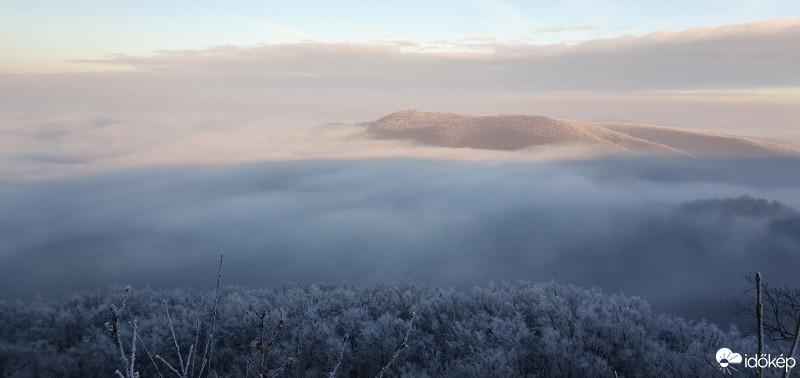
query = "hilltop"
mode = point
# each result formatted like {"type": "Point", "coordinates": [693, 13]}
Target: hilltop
{"type": "Point", "coordinates": [516, 132]}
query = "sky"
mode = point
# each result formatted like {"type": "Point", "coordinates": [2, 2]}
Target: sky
{"type": "Point", "coordinates": [53, 36]}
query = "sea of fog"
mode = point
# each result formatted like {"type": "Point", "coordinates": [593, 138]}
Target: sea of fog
{"type": "Point", "coordinates": [680, 233]}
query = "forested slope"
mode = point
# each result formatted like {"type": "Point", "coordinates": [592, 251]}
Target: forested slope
{"type": "Point", "coordinates": [522, 329]}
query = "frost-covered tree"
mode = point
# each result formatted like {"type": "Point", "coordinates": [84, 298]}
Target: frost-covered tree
{"type": "Point", "coordinates": [776, 311]}
{"type": "Point", "coordinates": [522, 329]}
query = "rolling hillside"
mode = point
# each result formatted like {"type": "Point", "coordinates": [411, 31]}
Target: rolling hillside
{"type": "Point", "coordinates": [515, 132]}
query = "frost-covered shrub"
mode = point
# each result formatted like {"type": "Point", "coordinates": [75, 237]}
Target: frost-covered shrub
{"type": "Point", "coordinates": [522, 329]}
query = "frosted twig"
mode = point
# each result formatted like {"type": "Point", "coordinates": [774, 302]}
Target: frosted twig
{"type": "Point", "coordinates": [263, 345]}
{"type": "Point", "coordinates": [131, 371]}
{"type": "Point", "coordinates": [196, 345]}
{"type": "Point", "coordinates": [341, 355]}
{"type": "Point", "coordinates": [151, 358]}
{"type": "Point", "coordinates": [274, 337]}
{"type": "Point", "coordinates": [402, 347]}
{"type": "Point", "coordinates": [793, 347]}
{"type": "Point", "coordinates": [175, 340]}
{"type": "Point", "coordinates": [759, 314]}
{"type": "Point", "coordinates": [278, 371]}
{"type": "Point", "coordinates": [128, 365]}
{"type": "Point", "coordinates": [209, 349]}
{"type": "Point", "coordinates": [184, 365]}
{"type": "Point", "coordinates": [169, 365]}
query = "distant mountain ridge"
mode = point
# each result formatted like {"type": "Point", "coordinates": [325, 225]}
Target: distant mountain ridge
{"type": "Point", "coordinates": [514, 132]}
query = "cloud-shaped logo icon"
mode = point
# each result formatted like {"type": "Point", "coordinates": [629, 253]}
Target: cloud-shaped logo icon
{"type": "Point", "coordinates": [726, 358]}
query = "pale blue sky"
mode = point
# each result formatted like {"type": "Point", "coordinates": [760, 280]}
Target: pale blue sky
{"type": "Point", "coordinates": [47, 35]}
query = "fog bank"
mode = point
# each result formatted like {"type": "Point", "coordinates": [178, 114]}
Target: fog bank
{"type": "Point", "coordinates": [623, 225]}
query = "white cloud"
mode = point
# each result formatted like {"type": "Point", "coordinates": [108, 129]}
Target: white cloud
{"type": "Point", "coordinates": [762, 54]}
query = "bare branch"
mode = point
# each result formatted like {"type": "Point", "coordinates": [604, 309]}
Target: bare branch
{"type": "Point", "coordinates": [403, 346]}
{"type": "Point", "coordinates": [209, 349]}
{"type": "Point", "coordinates": [341, 355]}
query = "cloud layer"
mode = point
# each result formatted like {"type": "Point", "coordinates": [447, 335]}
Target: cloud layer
{"type": "Point", "coordinates": [618, 225]}
{"type": "Point", "coordinates": [752, 55]}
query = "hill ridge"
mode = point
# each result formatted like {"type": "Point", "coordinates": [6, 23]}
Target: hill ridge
{"type": "Point", "coordinates": [517, 132]}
